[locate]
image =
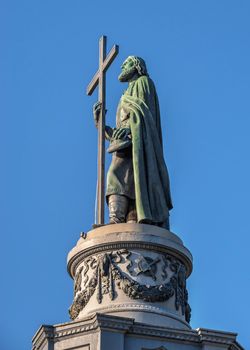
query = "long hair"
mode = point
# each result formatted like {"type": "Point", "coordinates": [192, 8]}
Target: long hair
{"type": "Point", "coordinates": [139, 64]}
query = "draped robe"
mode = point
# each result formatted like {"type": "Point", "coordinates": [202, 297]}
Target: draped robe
{"type": "Point", "coordinates": [139, 172]}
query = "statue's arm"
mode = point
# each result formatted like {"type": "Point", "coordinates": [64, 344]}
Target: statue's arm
{"type": "Point", "coordinates": [96, 112]}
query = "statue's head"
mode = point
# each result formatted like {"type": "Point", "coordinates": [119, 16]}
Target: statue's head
{"type": "Point", "coordinates": [132, 68]}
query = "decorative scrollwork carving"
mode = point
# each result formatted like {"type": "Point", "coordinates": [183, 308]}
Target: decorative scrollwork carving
{"type": "Point", "coordinates": [78, 281]}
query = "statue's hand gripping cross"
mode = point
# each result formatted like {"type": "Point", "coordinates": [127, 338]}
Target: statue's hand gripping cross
{"type": "Point", "coordinates": [99, 79]}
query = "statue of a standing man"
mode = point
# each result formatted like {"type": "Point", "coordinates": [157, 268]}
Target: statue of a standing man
{"type": "Point", "coordinates": [137, 181]}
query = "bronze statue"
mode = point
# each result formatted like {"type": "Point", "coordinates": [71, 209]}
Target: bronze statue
{"type": "Point", "coordinates": [137, 181]}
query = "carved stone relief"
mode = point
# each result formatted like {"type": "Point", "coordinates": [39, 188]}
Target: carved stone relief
{"type": "Point", "coordinates": [78, 281]}
{"type": "Point", "coordinates": [143, 265]}
{"type": "Point", "coordinates": [105, 273]}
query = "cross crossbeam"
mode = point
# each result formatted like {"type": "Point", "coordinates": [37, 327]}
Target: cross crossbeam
{"type": "Point", "coordinates": [99, 80]}
{"type": "Point", "coordinates": [108, 61]}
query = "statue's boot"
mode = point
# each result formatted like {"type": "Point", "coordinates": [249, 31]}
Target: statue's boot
{"type": "Point", "coordinates": [132, 215]}
{"type": "Point", "coordinates": [118, 208]}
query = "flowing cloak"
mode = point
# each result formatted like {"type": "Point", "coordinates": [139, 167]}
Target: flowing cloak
{"type": "Point", "coordinates": [140, 172]}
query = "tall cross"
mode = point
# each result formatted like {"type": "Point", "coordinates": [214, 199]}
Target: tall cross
{"type": "Point", "coordinates": [100, 80]}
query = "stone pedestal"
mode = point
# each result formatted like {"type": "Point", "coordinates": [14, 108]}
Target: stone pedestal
{"type": "Point", "coordinates": [130, 294]}
{"type": "Point", "coordinates": [131, 270]}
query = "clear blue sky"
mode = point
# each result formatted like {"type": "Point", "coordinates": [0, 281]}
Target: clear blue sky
{"type": "Point", "coordinates": [198, 54]}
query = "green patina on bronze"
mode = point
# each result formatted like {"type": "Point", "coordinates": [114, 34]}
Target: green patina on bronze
{"type": "Point", "coordinates": [139, 171]}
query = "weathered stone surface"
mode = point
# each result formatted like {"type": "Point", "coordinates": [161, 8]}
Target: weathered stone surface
{"type": "Point", "coordinates": [131, 270]}
{"type": "Point", "coordinates": [105, 332]}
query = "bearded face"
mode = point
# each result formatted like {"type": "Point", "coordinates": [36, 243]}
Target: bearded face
{"type": "Point", "coordinates": [128, 71]}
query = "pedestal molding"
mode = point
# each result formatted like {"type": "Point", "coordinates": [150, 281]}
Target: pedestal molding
{"type": "Point", "coordinates": [137, 307]}
{"type": "Point", "coordinates": [99, 322]}
{"type": "Point", "coordinates": [165, 241]}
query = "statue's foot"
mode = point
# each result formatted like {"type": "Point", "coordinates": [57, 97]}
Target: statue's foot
{"type": "Point", "coordinates": [131, 221]}
{"type": "Point", "coordinates": [115, 220]}
{"type": "Point", "coordinates": [131, 215]}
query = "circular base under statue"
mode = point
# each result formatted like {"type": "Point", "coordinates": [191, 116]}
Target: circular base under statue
{"type": "Point", "coordinates": [131, 270]}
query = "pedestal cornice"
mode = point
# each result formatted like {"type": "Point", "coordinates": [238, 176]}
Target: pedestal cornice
{"type": "Point", "coordinates": [128, 236]}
